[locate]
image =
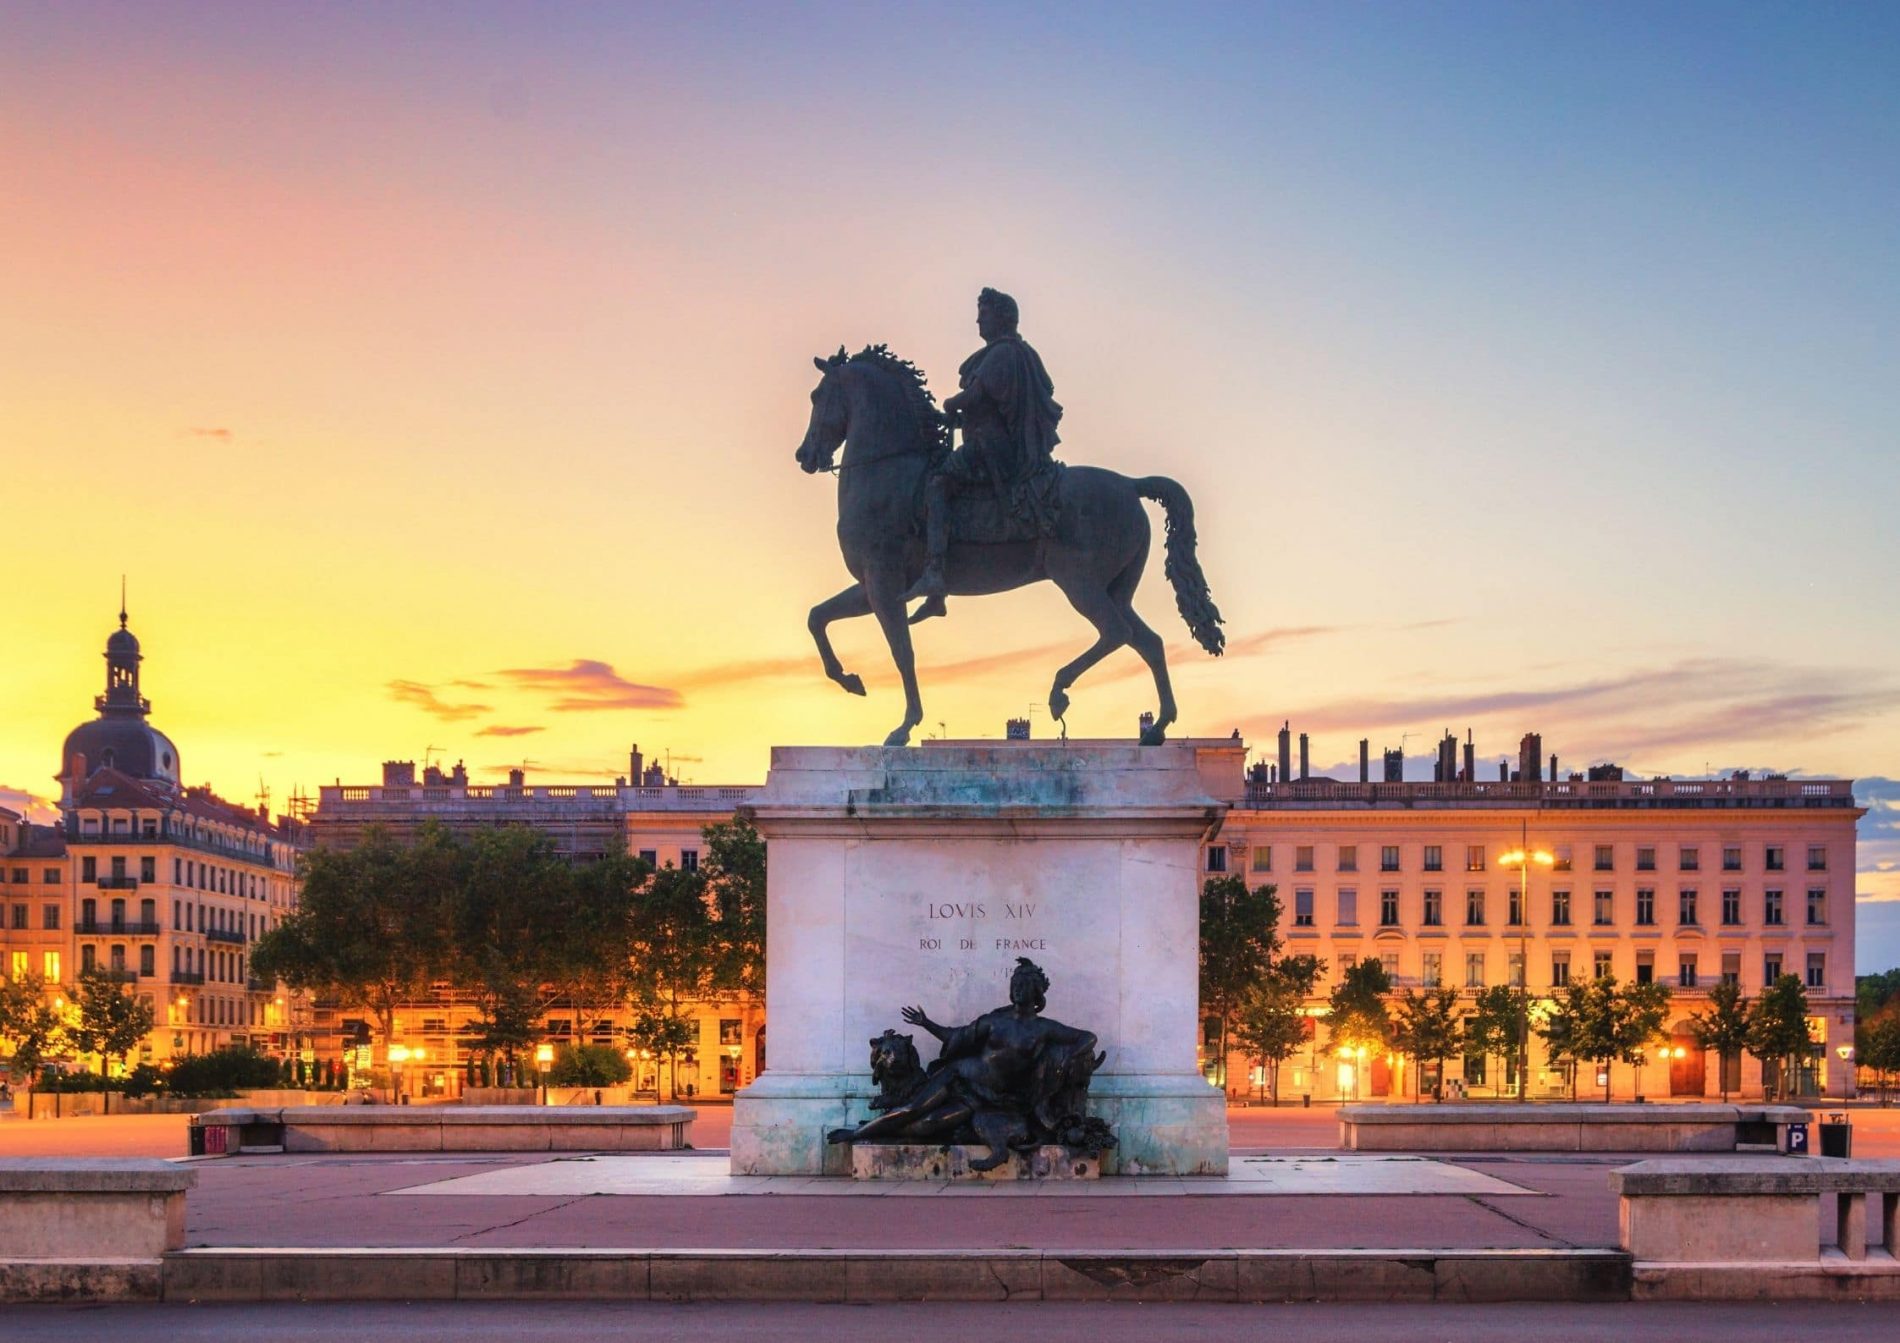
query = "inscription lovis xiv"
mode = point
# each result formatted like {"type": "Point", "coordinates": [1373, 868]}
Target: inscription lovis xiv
{"type": "Point", "coordinates": [970, 911]}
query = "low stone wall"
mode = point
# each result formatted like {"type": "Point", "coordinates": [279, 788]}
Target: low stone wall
{"type": "Point", "coordinates": [88, 1228]}
{"type": "Point", "coordinates": [1513, 1127]}
{"type": "Point", "coordinates": [445, 1128]}
{"type": "Point", "coordinates": [1751, 1227]}
{"type": "Point", "coordinates": [78, 1104]}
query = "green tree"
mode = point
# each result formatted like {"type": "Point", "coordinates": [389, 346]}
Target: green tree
{"type": "Point", "coordinates": [1498, 1022]}
{"type": "Point", "coordinates": [1639, 1012]}
{"type": "Point", "coordinates": [1873, 992]}
{"type": "Point", "coordinates": [1723, 1029]}
{"type": "Point", "coordinates": [1425, 1027]}
{"type": "Point", "coordinates": [1778, 1030]}
{"type": "Point", "coordinates": [508, 906]}
{"type": "Point", "coordinates": [663, 1036]}
{"type": "Point", "coordinates": [734, 868]}
{"type": "Point", "coordinates": [371, 926]}
{"type": "Point", "coordinates": [1877, 1045]}
{"type": "Point", "coordinates": [589, 1066]}
{"type": "Point", "coordinates": [1237, 946]}
{"type": "Point", "coordinates": [1270, 1025]}
{"type": "Point", "coordinates": [675, 956]}
{"type": "Point", "coordinates": [31, 1029]}
{"type": "Point", "coordinates": [1356, 1010]}
{"type": "Point", "coordinates": [111, 1021]}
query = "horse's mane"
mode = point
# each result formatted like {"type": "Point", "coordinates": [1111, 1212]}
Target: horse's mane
{"type": "Point", "coordinates": [922, 405]}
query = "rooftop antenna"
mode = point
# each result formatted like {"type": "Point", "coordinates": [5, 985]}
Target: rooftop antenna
{"type": "Point", "coordinates": [428, 751]}
{"type": "Point", "coordinates": [121, 601]}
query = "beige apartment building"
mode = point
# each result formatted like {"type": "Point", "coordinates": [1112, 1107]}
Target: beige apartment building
{"type": "Point", "coordinates": [163, 885]}
{"type": "Point", "coordinates": [1680, 882]}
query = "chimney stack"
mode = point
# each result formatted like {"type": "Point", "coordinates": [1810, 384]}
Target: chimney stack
{"type": "Point", "coordinates": [1016, 729]}
{"type": "Point", "coordinates": [1530, 757]}
{"type": "Point", "coordinates": [1365, 760]}
{"type": "Point", "coordinates": [516, 777]}
{"type": "Point", "coordinates": [1504, 771]}
{"type": "Point", "coordinates": [1553, 767]}
{"type": "Point", "coordinates": [1446, 770]}
{"type": "Point", "coordinates": [637, 765]}
{"type": "Point", "coordinates": [1395, 766]}
{"type": "Point", "coordinates": [1303, 770]}
{"type": "Point", "coordinates": [1286, 751]}
{"type": "Point", "coordinates": [1471, 759]}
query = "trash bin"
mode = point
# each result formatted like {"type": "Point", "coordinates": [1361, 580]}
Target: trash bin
{"type": "Point", "coordinates": [1837, 1135]}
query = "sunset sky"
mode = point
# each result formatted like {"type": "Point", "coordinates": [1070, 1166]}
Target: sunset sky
{"type": "Point", "coordinates": [433, 372]}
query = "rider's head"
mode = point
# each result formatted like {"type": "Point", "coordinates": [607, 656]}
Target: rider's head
{"type": "Point", "coordinates": [996, 314]}
{"type": "Point", "coordinates": [1028, 986]}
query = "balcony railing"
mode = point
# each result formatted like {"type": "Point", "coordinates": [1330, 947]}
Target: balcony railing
{"type": "Point", "coordinates": [116, 974]}
{"type": "Point", "coordinates": [224, 935]}
{"type": "Point", "coordinates": [118, 928]}
{"type": "Point", "coordinates": [187, 977]}
{"type": "Point", "coordinates": [119, 883]}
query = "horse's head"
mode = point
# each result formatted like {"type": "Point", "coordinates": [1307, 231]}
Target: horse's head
{"type": "Point", "coordinates": [829, 415]}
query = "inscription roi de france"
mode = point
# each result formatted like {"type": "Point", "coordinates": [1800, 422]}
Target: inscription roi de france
{"type": "Point", "coordinates": [961, 910]}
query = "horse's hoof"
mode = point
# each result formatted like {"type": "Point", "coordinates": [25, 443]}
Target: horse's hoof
{"type": "Point", "coordinates": [1154, 736]}
{"type": "Point", "coordinates": [852, 682]}
{"type": "Point", "coordinates": [933, 606]}
{"type": "Point", "coordinates": [1058, 704]}
{"type": "Point", "coordinates": [900, 737]}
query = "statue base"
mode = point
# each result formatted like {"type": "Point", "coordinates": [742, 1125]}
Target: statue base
{"type": "Point", "coordinates": [920, 875]}
{"type": "Point", "coordinates": [925, 1161]}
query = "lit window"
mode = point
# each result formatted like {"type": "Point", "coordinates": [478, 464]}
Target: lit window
{"type": "Point", "coordinates": [1263, 858]}
{"type": "Point", "coordinates": [1474, 858]}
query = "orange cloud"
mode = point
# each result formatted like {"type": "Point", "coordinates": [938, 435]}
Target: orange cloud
{"type": "Point", "coordinates": [500, 730]}
{"type": "Point", "coordinates": [424, 698]}
{"type": "Point", "coordinates": [588, 686]}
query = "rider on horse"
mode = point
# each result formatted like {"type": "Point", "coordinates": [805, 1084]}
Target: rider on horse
{"type": "Point", "coordinates": [1008, 416]}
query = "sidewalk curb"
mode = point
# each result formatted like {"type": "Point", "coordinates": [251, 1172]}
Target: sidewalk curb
{"type": "Point", "coordinates": [274, 1274]}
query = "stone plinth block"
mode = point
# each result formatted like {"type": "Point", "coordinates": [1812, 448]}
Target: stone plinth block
{"type": "Point", "coordinates": [918, 876]}
{"type": "Point", "coordinates": [926, 1161]}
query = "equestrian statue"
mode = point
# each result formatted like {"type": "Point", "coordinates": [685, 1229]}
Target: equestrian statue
{"type": "Point", "coordinates": [919, 520]}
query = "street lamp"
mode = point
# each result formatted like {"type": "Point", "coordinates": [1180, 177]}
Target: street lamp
{"type": "Point", "coordinates": [1521, 858]}
{"type": "Point", "coordinates": [543, 1056]}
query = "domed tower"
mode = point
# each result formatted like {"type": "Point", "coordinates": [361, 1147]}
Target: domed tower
{"type": "Point", "coordinates": [119, 738]}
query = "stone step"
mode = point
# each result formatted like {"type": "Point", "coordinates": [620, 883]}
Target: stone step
{"type": "Point", "coordinates": [1252, 1276]}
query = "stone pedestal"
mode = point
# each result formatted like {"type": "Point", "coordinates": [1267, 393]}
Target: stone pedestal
{"type": "Point", "coordinates": [924, 1161]}
{"type": "Point", "coordinates": [919, 876]}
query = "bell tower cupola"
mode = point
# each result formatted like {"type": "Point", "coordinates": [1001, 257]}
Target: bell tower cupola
{"type": "Point", "coordinates": [122, 672]}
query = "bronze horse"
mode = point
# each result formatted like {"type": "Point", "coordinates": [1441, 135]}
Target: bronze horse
{"type": "Point", "coordinates": [879, 409]}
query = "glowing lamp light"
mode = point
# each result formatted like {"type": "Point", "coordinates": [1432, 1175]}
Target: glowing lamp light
{"type": "Point", "coordinates": [544, 1054]}
{"type": "Point", "coordinates": [1518, 857]}
{"type": "Point", "coordinates": [1846, 1052]}
{"type": "Point", "coordinates": [399, 1054]}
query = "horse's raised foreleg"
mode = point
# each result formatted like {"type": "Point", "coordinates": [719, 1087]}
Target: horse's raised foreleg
{"type": "Point", "coordinates": [885, 590]}
{"type": "Point", "coordinates": [847, 604]}
{"type": "Point", "coordinates": [1111, 627]}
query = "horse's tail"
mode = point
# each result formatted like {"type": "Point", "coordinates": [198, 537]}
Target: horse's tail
{"type": "Point", "coordinates": [1191, 596]}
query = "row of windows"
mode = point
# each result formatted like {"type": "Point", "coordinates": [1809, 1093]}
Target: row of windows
{"type": "Point", "coordinates": [225, 967]}
{"type": "Point", "coordinates": [49, 876]}
{"type": "Point", "coordinates": [149, 828]}
{"type": "Point", "coordinates": [1476, 858]}
{"type": "Point", "coordinates": [1602, 908]}
{"type": "Point", "coordinates": [186, 917]}
{"type": "Point", "coordinates": [1688, 968]}
{"type": "Point", "coordinates": [185, 872]}
{"type": "Point", "coordinates": [689, 859]}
